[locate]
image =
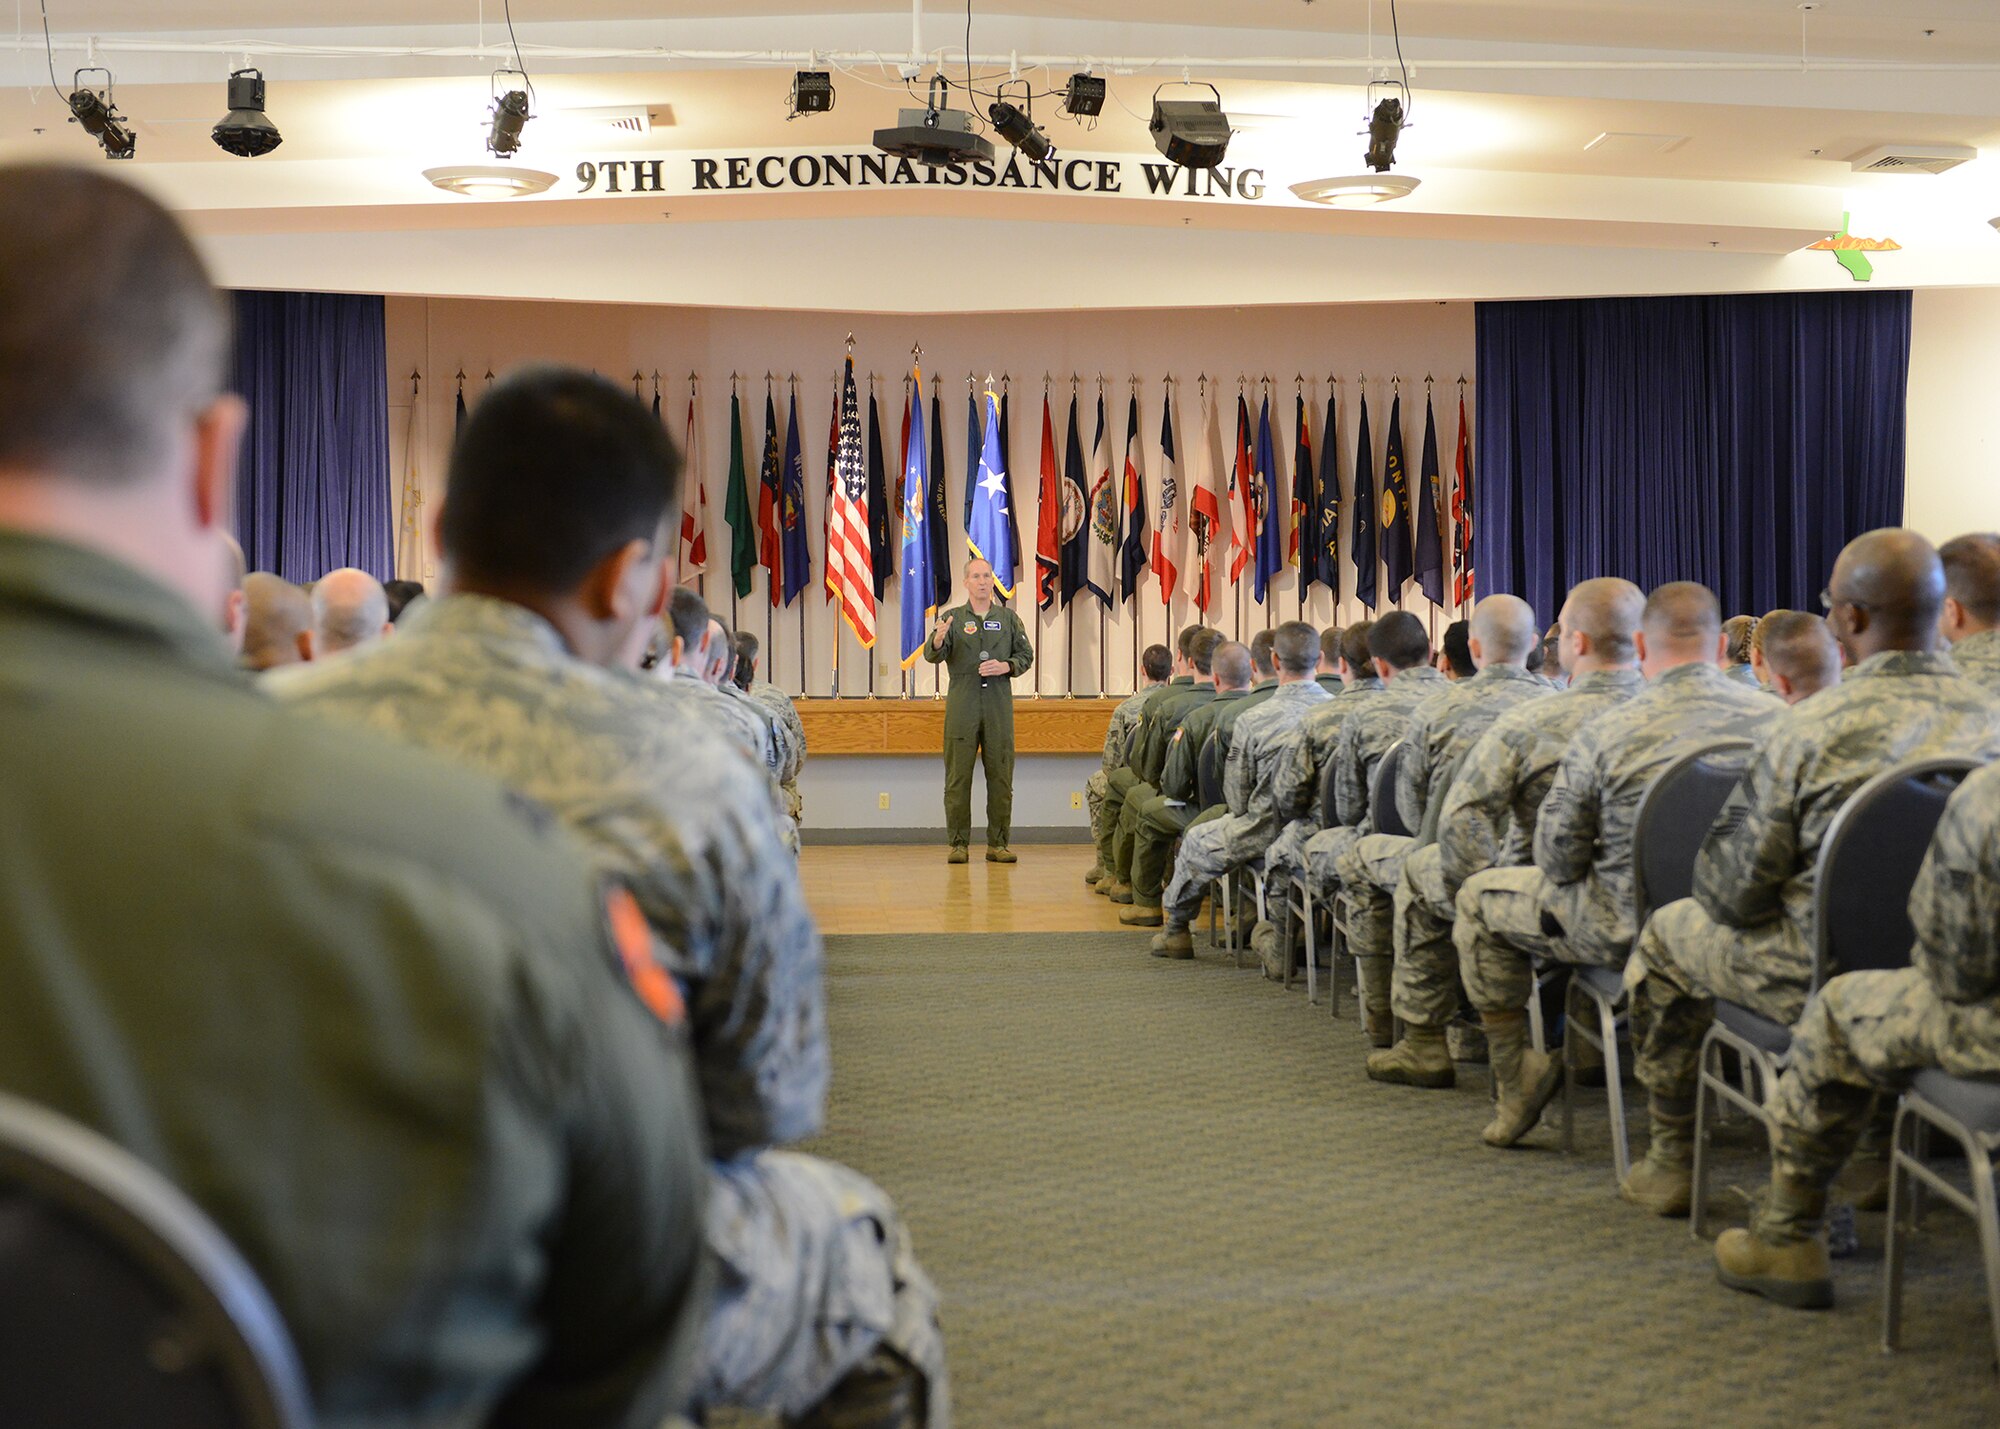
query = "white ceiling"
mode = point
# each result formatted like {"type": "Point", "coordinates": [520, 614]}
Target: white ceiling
{"type": "Point", "coordinates": [1507, 97]}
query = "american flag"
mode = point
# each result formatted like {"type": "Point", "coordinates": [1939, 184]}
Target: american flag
{"type": "Point", "coordinates": [850, 562]}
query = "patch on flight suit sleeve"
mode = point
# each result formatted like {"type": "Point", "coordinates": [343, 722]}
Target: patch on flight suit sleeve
{"type": "Point", "coordinates": [632, 937]}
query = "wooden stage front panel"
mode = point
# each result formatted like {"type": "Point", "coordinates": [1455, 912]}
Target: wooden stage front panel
{"type": "Point", "coordinates": [875, 726]}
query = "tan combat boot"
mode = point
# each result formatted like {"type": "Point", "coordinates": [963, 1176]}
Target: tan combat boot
{"type": "Point", "coordinates": [1174, 943]}
{"type": "Point", "coordinates": [1374, 975]}
{"type": "Point", "coordinates": [957, 854]}
{"type": "Point", "coordinates": [1119, 892]}
{"type": "Point", "coordinates": [1139, 915]}
{"type": "Point", "coordinates": [1270, 955]}
{"type": "Point", "coordinates": [1095, 874]}
{"type": "Point", "coordinates": [1781, 1256]}
{"type": "Point", "coordinates": [1526, 1079]}
{"type": "Point", "coordinates": [1421, 1059]}
{"type": "Point", "coordinates": [1663, 1182]}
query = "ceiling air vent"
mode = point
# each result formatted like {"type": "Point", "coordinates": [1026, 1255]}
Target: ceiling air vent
{"type": "Point", "coordinates": [1912, 159]}
{"type": "Point", "coordinates": [634, 119]}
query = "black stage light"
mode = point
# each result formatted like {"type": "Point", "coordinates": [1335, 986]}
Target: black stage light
{"type": "Point", "coordinates": [99, 116]}
{"type": "Point", "coordinates": [510, 117]}
{"type": "Point", "coordinates": [1018, 127]}
{"type": "Point", "coordinates": [936, 135]}
{"type": "Point", "coordinates": [1193, 133]}
{"type": "Point", "coordinates": [1383, 130]}
{"type": "Point", "coordinates": [812, 92]}
{"type": "Point", "coordinates": [1085, 96]}
{"type": "Point", "coordinates": [245, 130]}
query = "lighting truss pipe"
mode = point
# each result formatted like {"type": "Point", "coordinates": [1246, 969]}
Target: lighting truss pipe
{"type": "Point", "coordinates": [1127, 64]}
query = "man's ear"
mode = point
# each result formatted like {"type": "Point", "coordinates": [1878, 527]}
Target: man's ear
{"type": "Point", "coordinates": [304, 640]}
{"type": "Point", "coordinates": [1639, 644]}
{"type": "Point", "coordinates": [235, 614]}
{"type": "Point", "coordinates": [1782, 684]}
{"type": "Point", "coordinates": [1721, 650]}
{"type": "Point", "coordinates": [608, 590]}
{"type": "Point", "coordinates": [218, 442]}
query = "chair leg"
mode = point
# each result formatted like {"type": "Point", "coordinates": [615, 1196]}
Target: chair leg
{"type": "Point", "coordinates": [1901, 1182]}
{"type": "Point", "coordinates": [1987, 1212]}
{"type": "Point", "coordinates": [1698, 1203]}
{"type": "Point", "coordinates": [1570, 997]}
{"type": "Point", "coordinates": [1312, 954]}
{"type": "Point", "coordinates": [1614, 1088]}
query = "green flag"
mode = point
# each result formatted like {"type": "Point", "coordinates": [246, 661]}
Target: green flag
{"type": "Point", "coordinates": [742, 521]}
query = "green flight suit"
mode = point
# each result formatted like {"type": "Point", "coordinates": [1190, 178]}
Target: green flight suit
{"type": "Point", "coordinates": [1148, 767]}
{"type": "Point", "coordinates": [979, 716]}
{"type": "Point", "coordinates": [1121, 779]}
{"type": "Point", "coordinates": [361, 1006]}
{"type": "Point", "coordinates": [1168, 814]}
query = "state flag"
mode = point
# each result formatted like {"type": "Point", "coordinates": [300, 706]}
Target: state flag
{"type": "Point", "coordinates": [1048, 517]}
{"type": "Point", "coordinates": [1242, 516]}
{"type": "Point", "coordinates": [694, 508]}
{"type": "Point", "coordinates": [1100, 572]}
{"type": "Point", "coordinates": [736, 505]}
{"type": "Point", "coordinates": [1430, 546]}
{"type": "Point", "coordinates": [1170, 536]}
{"type": "Point", "coordinates": [1132, 547]}
{"type": "Point", "coordinates": [1461, 513]}
{"type": "Point", "coordinates": [1361, 547]}
{"type": "Point", "coordinates": [1205, 507]}
{"type": "Point", "coordinates": [1395, 531]}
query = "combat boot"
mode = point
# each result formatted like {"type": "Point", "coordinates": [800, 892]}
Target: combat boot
{"type": "Point", "coordinates": [1467, 1043]}
{"type": "Point", "coordinates": [1119, 892]}
{"type": "Point", "coordinates": [1526, 1079]}
{"type": "Point", "coordinates": [1175, 943]}
{"type": "Point", "coordinates": [1000, 853]}
{"type": "Point", "coordinates": [1421, 1059]}
{"type": "Point", "coordinates": [1374, 975]}
{"type": "Point", "coordinates": [1094, 875]}
{"type": "Point", "coordinates": [883, 1392]}
{"type": "Point", "coordinates": [1141, 916]}
{"type": "Point", "coordinates": [1663, 1182]}
{"type": "Point", "coordinates": [1781, 1255]}
{"type": "Point", "coordinates": [1264, 942]}
{"type": "Point", "coordinates": [957, 854]}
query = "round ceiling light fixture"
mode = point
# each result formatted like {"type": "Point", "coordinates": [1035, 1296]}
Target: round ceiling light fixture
{"type": "Point", "coordinates": [1357, 190]}
{"type": "Point", "coordinates": [490, 180]}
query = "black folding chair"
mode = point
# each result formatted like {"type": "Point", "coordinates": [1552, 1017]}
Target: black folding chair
{"type": "Point", "coordinates": [1672, 819]}
{"type": "Point", "coordinates": [1383, 815]}
{"type": "Point", "coordinates": [1967, 1109]}
{"type": "Point", "coordinates": [1861, 920]}
{"type": "Point", "coordinates": [120, 1302]}
{"type": "Point", "coordinates": [1208, 792]}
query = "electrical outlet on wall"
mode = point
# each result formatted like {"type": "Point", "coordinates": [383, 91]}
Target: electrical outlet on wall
{"type": "Point", "coordinates": [883, 799]}
{"type": "Point", "coordinates": [1075, 799]}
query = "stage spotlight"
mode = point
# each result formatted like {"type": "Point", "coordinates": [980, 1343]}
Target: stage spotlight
{"type": "Point", "coordinates": [1383, 130]}
{"type": "Point", "coordinates": [99, 116]}
{"type": "Point", "coordinates": [245, 130]}
{"type": "Point", "coordinates": [812, 92]}
{"type": "Point", "coordinates": [1085, 97]}
{"type": "Point", "coordinates": [1018, 127]}
{"type": "Point", "coordinates": [510, 117]}
{"type": "Point", "coordinates": [936, 135]}
{"type": "Point", "coordinates": [1193, 133]}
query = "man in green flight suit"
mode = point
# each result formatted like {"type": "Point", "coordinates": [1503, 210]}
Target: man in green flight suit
{"type": "Point", "coordinates": [984, 646]}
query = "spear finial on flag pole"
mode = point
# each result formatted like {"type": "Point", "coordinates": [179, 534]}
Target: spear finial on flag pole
{"type": "Point", "coordinates": [416, 381]}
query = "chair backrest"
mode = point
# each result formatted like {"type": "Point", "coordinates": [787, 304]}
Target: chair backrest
{"type": "Point", "coordinates": [120, 1302]}
{"type": "Point", "coordinates": [1208, 772]}
{"type": "Point", "coordinates": [1868, 864]}
{"type": "Point", "coordinates": [1383, 815]}
{"type": "Point", "coordinates": [1329, 815]}
{"type": "Point", "coordinates": [1673, 818]}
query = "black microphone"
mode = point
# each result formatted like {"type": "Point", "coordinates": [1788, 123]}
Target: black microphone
{"type": "Point", "coordinates": [983, 658]}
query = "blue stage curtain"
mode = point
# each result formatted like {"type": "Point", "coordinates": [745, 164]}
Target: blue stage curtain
{"type": "Point", "coordinates": [1737, 441]}
{"type": "Point", "coordinates": [313, 491]}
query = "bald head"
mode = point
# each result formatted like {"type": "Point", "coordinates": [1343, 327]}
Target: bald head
{"type": "Point", "coordinates": [1886, 593]}
{"type": "Point", "coordinates": [1800, 654]}
{"type": "Point", "coordinates": [349, 609]}
{"type": "Point", "coordinates": [1681, 625]}
{"type": "Point", "coordinates": [1231, 662]}
{"type": "Point", "coordinates": [1502, 631]}
{"type": "Point", "coordinates": [1599, 625]}
{"type": "Point", "coordinates": [277, 622]}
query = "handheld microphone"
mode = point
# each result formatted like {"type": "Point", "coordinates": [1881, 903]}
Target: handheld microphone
{"type": "Point", "coordinates": [983, 658]}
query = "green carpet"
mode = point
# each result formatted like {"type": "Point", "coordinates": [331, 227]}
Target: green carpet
{"type": "Point", "coordinates": [1164, 1194]}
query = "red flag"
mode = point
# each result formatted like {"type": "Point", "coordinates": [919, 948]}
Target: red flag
{"type": "Point", "coordinates": [1205, 499]}
{"type": "Point", "coordinates": [1242, 516]}
{"type": "Point", "coordinates": [1461, 513]}
{"type": "Point", "coordinates": [694, 513]}
{"type": "Point", "coordinates": [850, 562]}
{"type": "Point", "coordinates": [770, 537]}
{"type": "Point", "coordinates": [1170, 536]}
{"type": "Point", "coordinates": [1048, 517]}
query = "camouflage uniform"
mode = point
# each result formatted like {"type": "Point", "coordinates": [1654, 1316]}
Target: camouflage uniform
{"type": "Point", "coordinates": [1364, 738]}
{"type": "Point", "coordinates": [740, 723]}
{"type": "Point", "coordinates": [1442, 728]}
{"type": "Point", "coordinates": [815, 1265]}
{"type": "Point", "coordinates": [1310, 748]}
{"type": "Point", "coordinates": [780, 704]}
{"type": "Point", "coordinates": [1124, 720]}
{"type": "Point", "coordinates": [1746, 935]}
{"type": "Point", "coordinates": [1869, 1032]}
{"type": "Point", "coordinates": [1978, 659]}
{"type": "Point", "coordinates": [1169, 813]}
{"type": "Point", "coordinates": [1742, 675]}
{"type": "Point", "coordinates": [1582, 838]}
{"type": "Point", "coordinates": [1488, 819]}
{"type": "Point", "coordinates": [1249, 789]}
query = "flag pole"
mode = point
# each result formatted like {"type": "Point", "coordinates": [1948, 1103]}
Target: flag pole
{"type": "Point", "coordinates": [770, 657]}
{"type": "Point", "coordinates": [1305, 425]}
{"type": "Point", "coordinates": [916, 400]}
{"type": "Point", "coordinates": [1103, 607]}
{"type": "Point", "coordinates": [1456, 603]}
{"type": "Point", "coordinates": [734, 614]}
{"type": "Point", "coordinates": [1137, 602]}
{"type": "Point", "coordinates": [833, 476]}
{"type": "Point", "coordinates": [1069, 602]}
{"type": "Point", "coordinates": [772, 583]}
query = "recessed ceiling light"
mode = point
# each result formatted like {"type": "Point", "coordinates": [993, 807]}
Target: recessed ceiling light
{"type": "Point", "coordinates": [1357, 190]}
{"type": "Point", "coordinates": [490, 181]}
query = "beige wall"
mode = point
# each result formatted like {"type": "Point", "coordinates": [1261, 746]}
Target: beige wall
{"type": "Point", "coordinates": [441, 336]}
{"type": "Point", "coordinates": [1953, 480]}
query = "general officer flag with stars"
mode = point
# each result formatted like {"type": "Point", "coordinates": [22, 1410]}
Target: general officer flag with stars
{"type": "Point", "coordinates": [986, 532]}
{"type": "Point", "coordinates": [918, 605]}
{"type": "Point", "coordinates": [1430, 542]}
{"type": "Point", "coordinates": [1395, 507]}
{"type": "Point", "coordinates": [1361, 548]}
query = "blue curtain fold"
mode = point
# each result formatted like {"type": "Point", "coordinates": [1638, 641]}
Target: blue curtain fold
{"type": "Point", "coordinates": [1738, 441]}
{"type": "Point", "coordinates": [312, 493]}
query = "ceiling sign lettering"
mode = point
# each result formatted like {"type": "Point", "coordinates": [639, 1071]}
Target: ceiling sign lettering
{"type": "Point", "coordinates": [1115, 175]}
